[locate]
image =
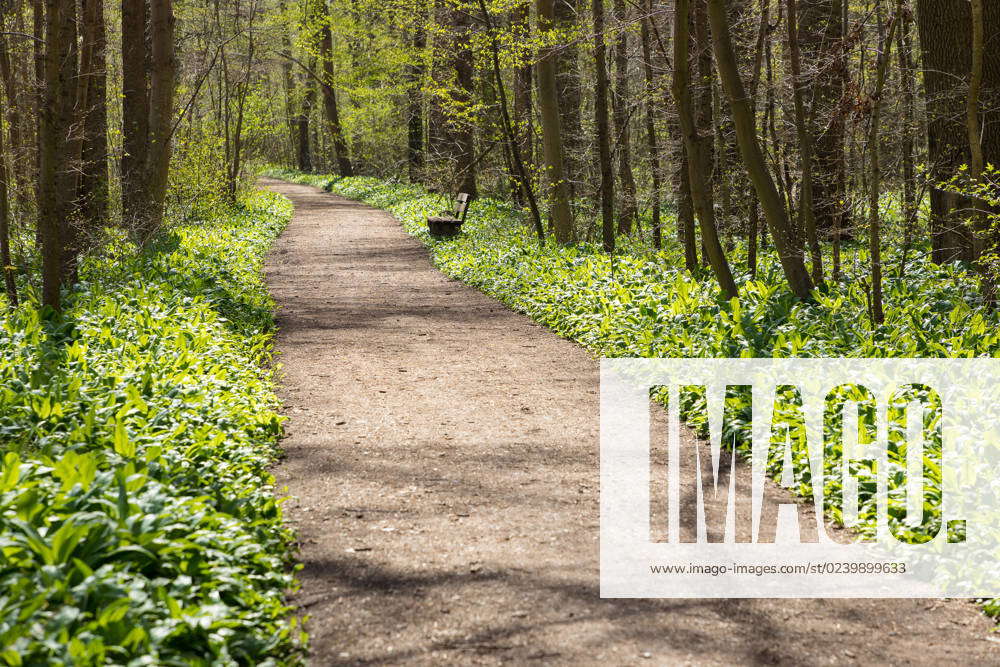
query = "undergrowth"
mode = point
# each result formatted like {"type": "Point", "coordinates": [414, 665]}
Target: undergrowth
{"type": "Point", "coordinates": [138, 523]}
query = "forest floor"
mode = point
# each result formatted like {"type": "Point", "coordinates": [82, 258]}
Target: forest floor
{"type": "Point", "coordinates": [442, 458]}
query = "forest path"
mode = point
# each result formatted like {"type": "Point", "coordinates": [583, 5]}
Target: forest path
{"type": "Point", "coordinates": [442, 452]}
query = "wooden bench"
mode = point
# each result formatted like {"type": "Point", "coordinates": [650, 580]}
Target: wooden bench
{"type": "Point", "coordinates": [450, 224]}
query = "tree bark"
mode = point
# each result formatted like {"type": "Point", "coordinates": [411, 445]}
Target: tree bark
{"type": "Point", "coordinates": [651, 139]}
{"type": "Point", "coordinates": [874, 169]}
{"type": "Point", "coordinates": [603, 130]}
{"type": "Point", "coordinates": [135, 116]}
{"type": "Point", "coordinates": [560, 214]}
{"type": "Point", "coordinates": [56, 176]}
{"type": "Point", "coordinates": [568, 84]}
{"type": "Point", "coordinates": [620, 112]}
{"type": "Point", "coordinates": [10, 288]}
{"type": "Point", "coordinates": [161, 109]}
{"type": "Point", "coordinates": [807, 220]}
{"type": "Point", "coordinates": [94, 186]}
{"type": "Point", "coordinates": [945, 30]}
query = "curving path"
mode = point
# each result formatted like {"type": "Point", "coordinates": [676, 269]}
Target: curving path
{"type": "Point", "coordinates": [442, 457]}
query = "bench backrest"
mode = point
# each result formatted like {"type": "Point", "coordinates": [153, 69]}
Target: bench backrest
{"type": "Point", "coordinates": [462, 206]}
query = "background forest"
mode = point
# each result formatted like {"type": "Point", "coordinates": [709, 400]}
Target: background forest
{"type": "Point", "coordinates": [726, 128]}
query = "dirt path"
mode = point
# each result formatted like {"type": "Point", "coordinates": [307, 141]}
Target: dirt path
{"type": "Point", "coordinates": [443, 453]}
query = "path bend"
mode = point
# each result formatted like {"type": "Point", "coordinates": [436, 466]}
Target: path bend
{"type": "Point", "coordinates": [441, 451]}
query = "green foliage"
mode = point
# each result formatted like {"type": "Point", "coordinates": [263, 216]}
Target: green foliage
{"type": "Point", "coordinates": [138, 522]}
{"type": "Point", "coordinates": [642, 304]}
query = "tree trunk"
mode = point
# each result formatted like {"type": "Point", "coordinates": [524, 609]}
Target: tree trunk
{"type": "Point", "coordinates": [874, 168]}
{"type": "Point", "coordinates": [746, 133]}
{"type": "Point", "coordinates": [5, 260]}
{"type": "Point", "coordinates": [807, 221]}
{"type": "Point", "coordinates": [415, 107]}
{"type": "Point", "coordinates": [94, 188]}
{"type": "Point", "coordinates": [904, 49]}
{"type": "Point", "coordinates": [548, 104]}
{"type": "Point", "coordinates": [461, 130]}
{"type": "Point", "coordinates": [603, 131]}
{"type": "Point", "coordinates": [162, 79]}
{"type": "Point", "coordinates": [56, 177]}
{"type": "Point", "coordinates": [568, 84]}
{"type": "Point", "coordinates": [700, 193]}
{"type": "Point", "coordinates": [945, 29]}
{"type": "Point", "coordinates": [302, 123]}
{"type": "Point", "coordinates": [523, 123]}
{"type": "Point", "coordinates": [135, 116]}
{"type": "Point", "coordinates": [651, 139]}
{"type": "Point", "coordinates": [620, 111]}
{"type": "Point", "coordinates": [344, 166]}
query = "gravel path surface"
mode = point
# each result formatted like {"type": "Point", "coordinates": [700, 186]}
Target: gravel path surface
{"type": "Point", "coordinates": [442, 458]}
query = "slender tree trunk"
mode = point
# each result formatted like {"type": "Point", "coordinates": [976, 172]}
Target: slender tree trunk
{"type": "Point", "coordinates": [461, 131]}
{"type": "Point", "coordinates": [10, 288]}
{"type": "Point", "coordinates": [807, 220]}
{"type": "Point", "coordinates": [523, 115]}
{"type": "Point", "coordinates": [135, 116]}
{"type": "Point", "coordinates": [904, 49]}
{"type": "Point", "coordinates": [287, 80]}
{"type": "Point", "coordinates": [568, 84]}
{"type": "Point", "coordinates": [746, 133]}
{"type": "Point", "coordinates": [620, 111]}
{"type": "Point", "coordinates": [700, 194]}
{"type": "Point", "coordinates": [874, 167]}
{"type": "Point", "coordinates": [560, 214]}
{"type": "Point", "coordinates": [344, 166]}
{"type": "Point", "coordinates": [651, 139]}
{"type": "Point", "coordinates": [14, 122]}
{"type": "Point", "coordinates": [523, 180]}
{"type": "Point", "coordinates": [603, 130]}
{"type": "Point", "coordinates": [415, 107]}
{"type": "Point", "coordinates": [302, 123]}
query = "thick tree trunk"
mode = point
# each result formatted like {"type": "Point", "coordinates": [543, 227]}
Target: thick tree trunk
{"type": "Point", "coordinates": [56, 176]}
{"type": "Point", "coordinates": [945, 28]}
{"type": "Point", "coordinates": [603, 154]}
{"type": "Point", "coordinates": [135, 116]}
{"type": "Point", "coordinates": [162, 79]}
{"type": "Point", "coordinates": [700, 193]}
{"type": "Point", "coordinates": [789, 253]}
{"type": "Point", "coordinates": [560, 215]}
